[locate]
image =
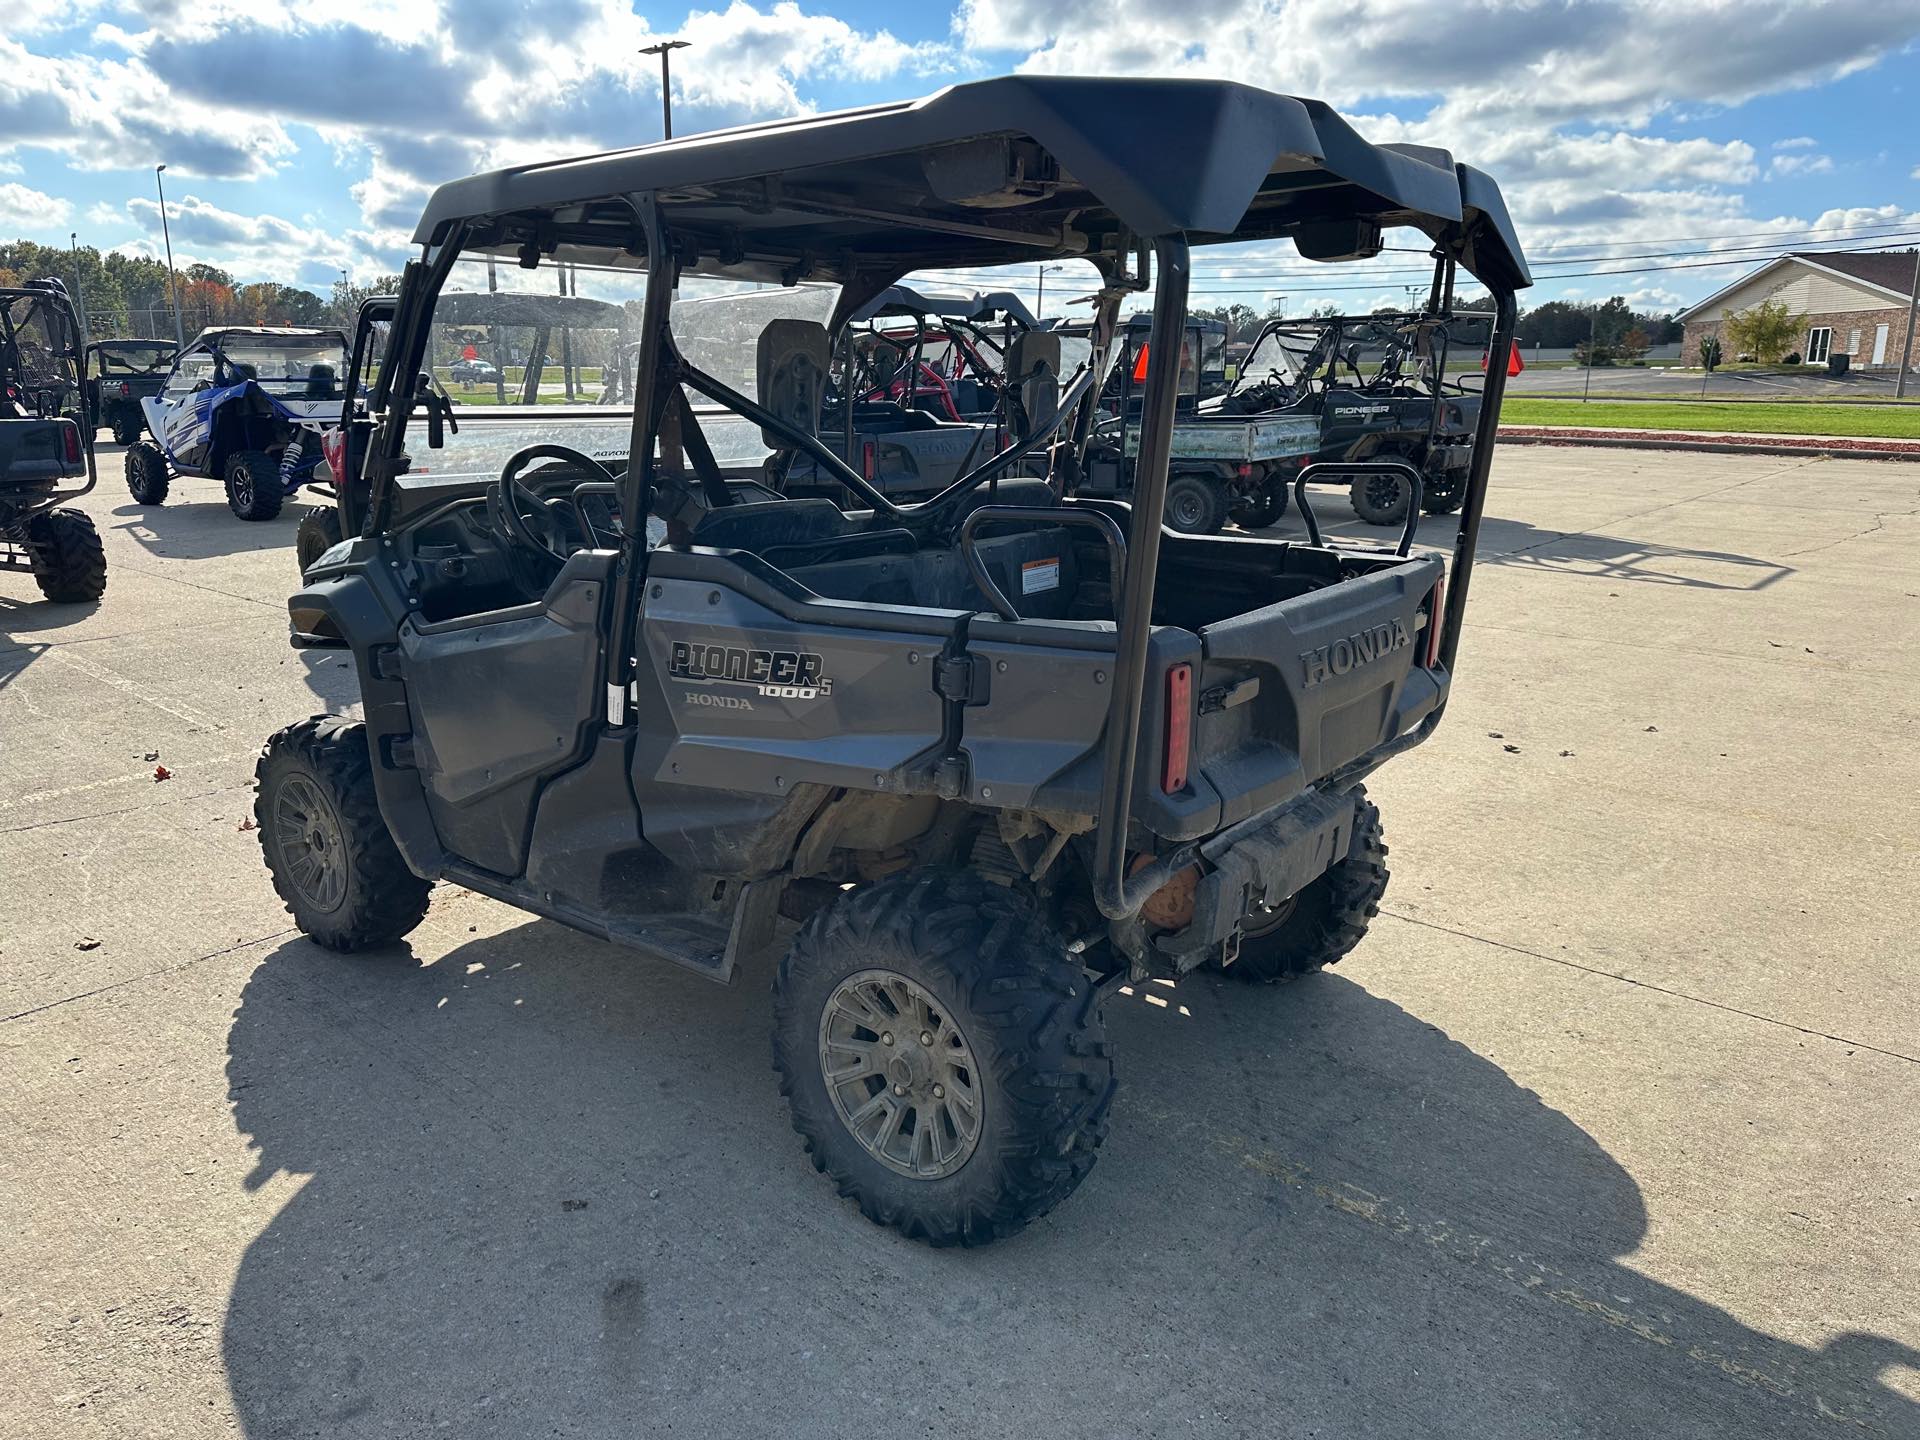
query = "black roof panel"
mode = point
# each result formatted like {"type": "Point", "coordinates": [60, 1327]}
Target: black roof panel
{"type": "Point", "coordinates": [1023, 167]}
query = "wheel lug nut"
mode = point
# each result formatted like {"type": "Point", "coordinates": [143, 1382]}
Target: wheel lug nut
{"type": "Point", "coordinates": [886, 1037]}
{"type": "Point", "coordinates": [939, 1092]}
{"type": "Point", "coordinates": [926, 1037]}
{"type": "Point", "coordinates": [899, 1089]}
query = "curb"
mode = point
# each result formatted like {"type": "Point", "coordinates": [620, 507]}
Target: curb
{"type": "Point", "coordinates": [1712, 445]}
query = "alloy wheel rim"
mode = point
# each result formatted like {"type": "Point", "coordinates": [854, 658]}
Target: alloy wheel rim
{"type": "Point", "coordinates": [1186, 509]}
{"type": "Point", "coordinates": [1383, 491]}
{"type": "Point", "coordinates": [307, 832]}
{"type": "Point", "coordinates": [901, 1074]}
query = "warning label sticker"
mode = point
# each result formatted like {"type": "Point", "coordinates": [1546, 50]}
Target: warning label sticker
{"type": "Point", "coordinates": [1038, 575]}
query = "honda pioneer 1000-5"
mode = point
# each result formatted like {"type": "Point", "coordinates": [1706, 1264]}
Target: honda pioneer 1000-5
{"type": "Point", "coordinates": [994, 752]}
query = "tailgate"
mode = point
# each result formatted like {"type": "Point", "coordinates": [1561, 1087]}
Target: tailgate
{"type": "Point", "coordinates": [1293, 691]}
{"type": "Point", "coordinates": [39, 449]}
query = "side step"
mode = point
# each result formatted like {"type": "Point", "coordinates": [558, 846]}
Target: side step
{"type": "Point", "coordinates": [703, 943]}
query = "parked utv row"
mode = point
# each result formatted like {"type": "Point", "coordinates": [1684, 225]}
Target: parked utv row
{"type": "Point", "coordinates": [978, 756]}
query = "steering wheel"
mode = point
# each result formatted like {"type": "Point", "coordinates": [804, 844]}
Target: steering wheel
{"type": "Point", "coordinates": [507, 496]}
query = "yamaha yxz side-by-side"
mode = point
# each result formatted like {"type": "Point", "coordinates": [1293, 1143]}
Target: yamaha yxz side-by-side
{"type": "Point", "coordinates": [120, 374]}
{"type": "Point", "coordinates": [1373, 388]}
{"type": "Point", "coordinates": [46, 446]}
{"type": "Point", "coordinates": [995, 753]}
{"type": "Point", "coordinates": [247, 407]}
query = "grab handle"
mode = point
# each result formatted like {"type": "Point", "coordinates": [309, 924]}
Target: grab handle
{"type": "Point", "coordinates": [1314, 472]}
{"type": "Point", "coordinates": [1056, 515]}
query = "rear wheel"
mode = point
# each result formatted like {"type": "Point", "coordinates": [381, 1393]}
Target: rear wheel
{"type": "Point", "coordinates": [319, 532]}
{"type": "Point", "coordinates": [126, 429]}
{"type": "Point", "coordinates": [1196, 504]}
{"type": "Point", "coordinates": [332, 860]}
{"type": "Point", "coordinates": [69, 562]}
{"type": "Point", "coordinates": [1381, 498]}
{"type": "Point", "coordinates": [942, 1055]}
{"type": "Point", "coordinates": [253, 485]}
{"type": "Point", "coordinates": [1261, 509]}
{"type": "Point", "coordinates": [1323, 922]}
{"type": "Point", "coordinates": [147, 477]}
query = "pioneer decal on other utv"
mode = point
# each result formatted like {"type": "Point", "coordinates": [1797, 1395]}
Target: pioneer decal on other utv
{"type": "Point", "coordinates": [995, 752]}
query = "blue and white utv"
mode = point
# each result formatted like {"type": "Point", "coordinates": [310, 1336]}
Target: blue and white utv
{"type": "Point", "coordinates": [246, 406]}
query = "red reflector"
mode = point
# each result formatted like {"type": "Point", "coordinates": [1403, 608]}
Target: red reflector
{"type": "Point", "coordinates": [125, 388]}
{"type": "Point", "coordinates": [1434, 614]}
{"type": "Point", "coordinates": [1173, 778]}
{"type": "Point", "coordinates": [866, 459]}
{"type": "Point", "coordinates": [72, 432]}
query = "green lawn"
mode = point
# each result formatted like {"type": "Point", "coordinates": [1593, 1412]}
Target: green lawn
{"type": "Point", "coordinates": [1899, 422]}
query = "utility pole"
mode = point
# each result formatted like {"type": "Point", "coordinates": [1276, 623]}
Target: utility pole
{"type": "Point", "coordinates": [1040, 296]}
{"type": "Point", "coordinates": [1906, 347]}
{"type": "Point", "coordinates": [79, 289]}
{"type": "Point", "coordinates": [173, 280]}
{"type": "Point", "coordinates": [664, 49]}
{"type": "Point", "coordinates": [1593, 327]}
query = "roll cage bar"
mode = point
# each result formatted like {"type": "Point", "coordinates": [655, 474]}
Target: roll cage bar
{"type": "Point", "coordinates": [998, 171]}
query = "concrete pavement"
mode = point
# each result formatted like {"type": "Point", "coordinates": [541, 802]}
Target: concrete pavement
{"type": "Point", "coordinates": [1607, 1130]}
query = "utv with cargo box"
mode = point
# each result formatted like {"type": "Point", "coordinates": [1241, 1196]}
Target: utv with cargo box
{"type": "Point", "coordinates": [998, 752]}
{"type": "Point", "coordinates": [120, 374]}
{"type": "Point", "coordinates": [46, 446]}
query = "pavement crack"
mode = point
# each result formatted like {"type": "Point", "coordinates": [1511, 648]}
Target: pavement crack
{"type": "Point", "coordinates": [146, 975]}
{"type": "Point", "coordinates": [1658, 989]}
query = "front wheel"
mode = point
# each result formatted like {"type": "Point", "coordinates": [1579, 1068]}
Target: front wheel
{"type": "Point", "coordinates": [254, 491]}
{"type": "Point", "coordinates": [147, 477]}
{"type": "Point", "coordinates": [332, 859]}
{"type": "Point", "coordinates": [319, 532]}
{"type": "Point", "coordinates": [943, 1057]}
{"type": "Point", "coordinates": [69, 562]}
{"type": "Point", "coordinates": [1317, 927]}
{"type": "Point", "coordinates": [1196, 504]}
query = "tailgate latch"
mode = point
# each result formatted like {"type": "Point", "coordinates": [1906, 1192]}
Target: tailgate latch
{"type": "Point", "coordinates": [1225, 697]}
{"type": "Point", "coordinates": [961, 678]}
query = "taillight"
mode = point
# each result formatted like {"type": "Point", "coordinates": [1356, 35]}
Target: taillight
{"type": "Point", "coordinates": [125, 388]}
{"type": "Point", "coordinates": [1243, 470]}
{"type": "Point", "coordinates": [72, 433]}
{"type": "Point", "coordinates": [333, 449]}
{"type": "Point", "coordinates": [1435, 612]}
{"type": "Point", "coordinates": [1173, 777]}
{"type": "Point", "coordinates": [866, 459]}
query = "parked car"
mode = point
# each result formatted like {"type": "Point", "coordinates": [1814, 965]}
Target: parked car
{"type": "Point", "coordinates": [473, 372]}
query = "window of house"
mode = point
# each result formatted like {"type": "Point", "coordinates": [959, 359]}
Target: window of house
{"type": "Point", "coordinates": [1819, 342]}
{"type": "Point", "coordinates": [1853, 342]}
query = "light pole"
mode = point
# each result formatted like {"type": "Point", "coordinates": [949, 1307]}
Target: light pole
{"type": "Point", "coordinates": [664, 49]}
{"type": "Point", "coordinates": [1040, 296]}
{"type": "Point", "coordinates": [173, 280]}
{"type": "Point", "coordinates": [1593, 330]}
{"type": "Point", "coordinates": [79, 289]}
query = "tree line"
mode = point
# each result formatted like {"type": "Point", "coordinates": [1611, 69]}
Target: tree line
{"type": "Point", "coordinates": [128, 295]}
{"type": "Point", "coordinates": [1617, 330]}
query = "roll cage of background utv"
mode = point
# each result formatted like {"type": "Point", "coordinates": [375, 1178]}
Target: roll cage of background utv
{"type": "Point", "coordinates": [924, 729]}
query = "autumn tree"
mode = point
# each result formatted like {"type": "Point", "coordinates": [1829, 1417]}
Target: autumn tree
{"type": "Point", "coordinates": [1767, 331]}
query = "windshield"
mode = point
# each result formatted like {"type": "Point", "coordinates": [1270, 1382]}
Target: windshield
{"type": "Point", "coordinates": [154, 360]}
{"type": "Point", "coordinates": [299, 366]}
{"type": "Point", "coordinates": [1280, 355]}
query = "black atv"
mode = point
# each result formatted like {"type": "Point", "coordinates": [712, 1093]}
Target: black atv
{"type": "Point", "coordinates": [46, 446]}
{"type": "Point", "coordinates": [994, 754]}
{"type": "Point", "coordinates": [119, 375]}
{"type": "Point", "coordinates": [1375, 386]}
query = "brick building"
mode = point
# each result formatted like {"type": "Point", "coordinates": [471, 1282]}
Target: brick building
{"type": "Point", "coordinates": [1855, 302]}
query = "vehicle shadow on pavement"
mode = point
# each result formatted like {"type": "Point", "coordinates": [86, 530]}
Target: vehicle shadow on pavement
{"type": "Point", "coordinates": [553, 1191]}
{"type": "Point", "coordinates": [204, 528]}
{"type": "Point", "coordinates": [1583, 553]}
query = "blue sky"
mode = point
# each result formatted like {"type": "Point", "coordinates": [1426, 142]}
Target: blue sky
{"type": "Point", "coordinates": [301, 140]}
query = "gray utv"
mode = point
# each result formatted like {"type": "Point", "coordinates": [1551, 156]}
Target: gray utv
{"type": "Point", "coordinates": [46, 446]}
{"type": "Point", "coordinates": [994, 753]}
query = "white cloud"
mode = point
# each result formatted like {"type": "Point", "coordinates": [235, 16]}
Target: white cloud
{"type": "Point", "coordinates": [24, 210]}
{"type": "Point", "coordinates": [1799, 163]}
{"type": "Point", "coordinates": [1798, 142]}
